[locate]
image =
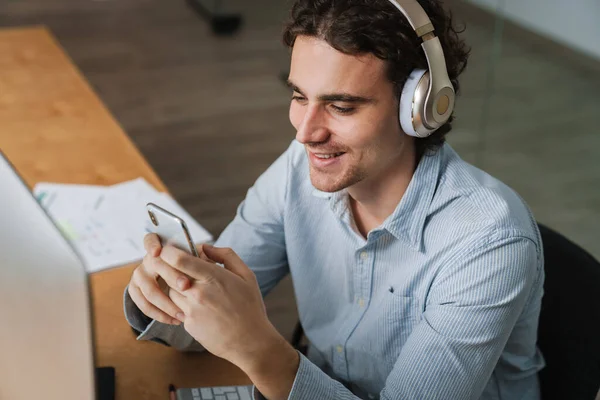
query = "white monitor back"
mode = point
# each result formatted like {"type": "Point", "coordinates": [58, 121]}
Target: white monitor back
{"type": "Point", "coordinates": [46, 344]}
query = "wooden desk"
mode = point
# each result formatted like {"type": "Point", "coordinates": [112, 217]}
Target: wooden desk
{"type": "Point", "coordinates": [54, 128]}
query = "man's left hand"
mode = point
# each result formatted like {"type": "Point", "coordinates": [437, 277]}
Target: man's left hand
{"type": "Point", "coordinates": [224, 311]}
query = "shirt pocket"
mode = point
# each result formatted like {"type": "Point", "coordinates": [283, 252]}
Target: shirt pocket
{"type": "Point", "coordinates": [400, 316]}
{"type": "Point", "coordinates": [377, 341]}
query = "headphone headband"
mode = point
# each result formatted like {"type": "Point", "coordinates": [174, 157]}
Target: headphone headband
{"type": "Point", "coordinates": [416, 16]}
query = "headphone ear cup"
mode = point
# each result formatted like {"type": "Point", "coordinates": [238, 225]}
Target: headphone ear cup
{"type": "Point", "coordinates": [408, 102]}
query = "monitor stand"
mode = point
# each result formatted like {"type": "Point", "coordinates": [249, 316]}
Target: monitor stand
{"type": "Point", "coordinates": [105, 383]}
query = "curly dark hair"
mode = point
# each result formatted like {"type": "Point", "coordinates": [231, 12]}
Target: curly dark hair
{"type": "Point", "coordinates": [375, 26]}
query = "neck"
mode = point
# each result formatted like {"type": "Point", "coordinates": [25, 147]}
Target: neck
{"type": "Point", "coordinates": [376, 198]}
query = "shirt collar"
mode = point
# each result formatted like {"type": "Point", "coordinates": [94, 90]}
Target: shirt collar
{"type": "Point", "coordinates": [320, 194]}
{"type": "Point", "coordinates": [338, 201]}
{"type": "Point", "coordinates": [407, 221]}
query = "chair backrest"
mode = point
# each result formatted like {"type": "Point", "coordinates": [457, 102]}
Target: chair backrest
{"type": "Point", "coordinates": [568, 334]}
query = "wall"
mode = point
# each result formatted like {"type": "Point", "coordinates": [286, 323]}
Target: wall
{"type": "Point", "coordinates": [573, 23]}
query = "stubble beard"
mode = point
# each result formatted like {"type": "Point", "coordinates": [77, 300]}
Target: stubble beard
{"type": "Point", "coordinates": [332, 182]}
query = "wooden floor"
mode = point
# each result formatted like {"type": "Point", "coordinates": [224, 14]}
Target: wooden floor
{"type": "Point", "coordinates": [210, 114]}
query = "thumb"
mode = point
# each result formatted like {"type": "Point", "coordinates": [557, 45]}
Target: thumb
{"type": "Point", "coordinates": [152, 244]}
{"type": "Point", "coordinates": [202, 255]}
{"type": "Point", "coordinates": [230, 260]}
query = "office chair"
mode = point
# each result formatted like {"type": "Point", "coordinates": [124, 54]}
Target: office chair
{"type": "Point", "coordinates": [567, 334]}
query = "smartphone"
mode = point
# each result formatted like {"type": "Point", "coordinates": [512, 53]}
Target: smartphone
{"type": "Point", "coordinates": [171, 229]}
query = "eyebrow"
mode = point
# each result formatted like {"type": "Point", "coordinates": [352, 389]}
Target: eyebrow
{"type": "Point", "coordinates": [343, 97]}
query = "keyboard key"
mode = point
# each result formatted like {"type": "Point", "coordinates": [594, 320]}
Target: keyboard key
{"type": "Point", "coordinates": [244, 393]}
{"type": "Point", "coordinates": [218, 390]}
{"type": "Point", "coordinates": [206, 393]}
{"type": "Point", "coordinates": [220, 397]}
{"type": "Point", "coordinates": [195, 392]}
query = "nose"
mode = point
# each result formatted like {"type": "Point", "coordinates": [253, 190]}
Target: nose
{"type": "Point", "coordinates": [312, 127]}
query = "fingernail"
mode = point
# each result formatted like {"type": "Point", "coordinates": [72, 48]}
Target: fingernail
{"type": "Point", "coordinates": [181, 282]}
{"type": "Point", "coordinates": [180, 316]}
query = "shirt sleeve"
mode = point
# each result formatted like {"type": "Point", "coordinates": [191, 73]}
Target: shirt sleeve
{"type": "Point", "coordinates": [472, 308]}
{"type": "Point", "coordinates": [256, 234]}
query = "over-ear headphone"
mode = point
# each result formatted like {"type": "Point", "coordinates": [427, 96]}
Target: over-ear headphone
{"type": "Point", "coordinates": [427, 98]}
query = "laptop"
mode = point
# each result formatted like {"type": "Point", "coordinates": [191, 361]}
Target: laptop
{"type": "Point", "coordinates": [46, 343]}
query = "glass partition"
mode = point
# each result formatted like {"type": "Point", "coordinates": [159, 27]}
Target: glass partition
{"type": "Point", "coordinates": [527, 110]}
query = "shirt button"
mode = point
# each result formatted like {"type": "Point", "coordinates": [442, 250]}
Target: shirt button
{"type": "Point", "coordinates": [364, 255]}
{"type": "Point", "coordinates": [361, 302]}
{"type": "Point", "coordinates": [339, 348]}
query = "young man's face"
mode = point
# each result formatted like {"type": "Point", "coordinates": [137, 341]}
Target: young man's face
{"type": "Point", "coordinates": [345, 114]}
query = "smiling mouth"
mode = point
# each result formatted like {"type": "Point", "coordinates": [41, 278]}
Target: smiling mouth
{"type": "Point", "coordinates": [325, 156]}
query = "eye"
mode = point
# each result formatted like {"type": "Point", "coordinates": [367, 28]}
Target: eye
{"type": "Point", "coordinates": [342, 110]}
{"type": "Point", "coordinates": [299, 99]}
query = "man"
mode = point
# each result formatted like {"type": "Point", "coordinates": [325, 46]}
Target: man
{"type": "Point", "coordinates": [417, 275]}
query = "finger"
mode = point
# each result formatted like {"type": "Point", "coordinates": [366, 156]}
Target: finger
{"type": "Point", "coordinates": [149, 309]}
{"type": "Point", "coordinates": [171, 276]}
{"type": "Point", "coordinates": [151, 291]}
{"type": "Point", "coordinates": [180, 301]}
{"type": "Point", "coordinates": [152, 244]}
{"type": "Point", "coordinates": [194, 267]}
{"type": "Point", "coordinates": [202, 255]}
{"type": "Point", "coordinates": [229, 259]}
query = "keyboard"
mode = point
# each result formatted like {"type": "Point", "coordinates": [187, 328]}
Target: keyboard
{"type": "Point", "coordinates": [216, 393]}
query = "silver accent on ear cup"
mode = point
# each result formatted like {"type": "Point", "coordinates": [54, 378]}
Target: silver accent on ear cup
{"type": "Point", "coordinates": [412, 100]}
{"type": "Point", "coordinates": [418, 107]}
{"type": "Point", "coordinates": [440, 86]}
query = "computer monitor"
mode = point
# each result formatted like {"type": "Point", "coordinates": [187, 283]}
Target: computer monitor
{"type": "Point", "coordinates": [46, 343]}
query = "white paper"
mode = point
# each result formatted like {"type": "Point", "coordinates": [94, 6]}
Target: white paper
{"type": "Point", "coordinates": [107, 224]}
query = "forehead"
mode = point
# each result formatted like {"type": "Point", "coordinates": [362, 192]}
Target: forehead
{"type": "Point", "coordinates": [318, 68]}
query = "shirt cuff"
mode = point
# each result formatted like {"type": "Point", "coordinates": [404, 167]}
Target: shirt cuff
{"type": "Point", "coordinates": [170, 335]}
{"type": "Point", "coordinates": [136, 318]}
{"type": "Point", "coordinates": [312, 383]}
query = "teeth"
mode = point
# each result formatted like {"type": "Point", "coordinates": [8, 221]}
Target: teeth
{"type": "Point", "coordinates": [327, 156]}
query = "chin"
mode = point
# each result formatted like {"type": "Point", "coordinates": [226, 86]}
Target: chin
{"type": "Point", "coordinates": [325, 186]}
{"type": "Point", "coordinates": [330, 183]}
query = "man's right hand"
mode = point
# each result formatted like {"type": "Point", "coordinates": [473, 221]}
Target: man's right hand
{"type": "Point", "coordinates": [149, 291]}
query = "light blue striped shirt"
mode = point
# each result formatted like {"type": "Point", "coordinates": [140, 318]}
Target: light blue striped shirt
{"type": "Point", "coordinates": [439, 302]}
